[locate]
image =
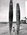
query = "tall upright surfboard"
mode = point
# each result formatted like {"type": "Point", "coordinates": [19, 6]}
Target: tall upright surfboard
{"type": "Point", "coordinates": [10, 14]}
{"type": "Point", "coordinates": [17, 17]}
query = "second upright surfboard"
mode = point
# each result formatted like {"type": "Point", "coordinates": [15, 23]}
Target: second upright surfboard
{"type": "Point", "coordinates": [17, 17]}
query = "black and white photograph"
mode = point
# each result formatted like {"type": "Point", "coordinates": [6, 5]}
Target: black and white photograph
{"type": "Point", "coordinates": [13, 17]}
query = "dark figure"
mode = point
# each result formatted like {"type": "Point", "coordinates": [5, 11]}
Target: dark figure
{"type": "Point", "coordinates": [13, 29]}
{"type": "Point", "coordinates": [10, 15]}
{"type": "Point", "coordinates": [18, 18]}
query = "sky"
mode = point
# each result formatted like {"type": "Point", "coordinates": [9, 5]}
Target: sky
{"type": "Point", "coordinates": [4, 10]}
{"type": "Point", "coordinates": [26, 8]}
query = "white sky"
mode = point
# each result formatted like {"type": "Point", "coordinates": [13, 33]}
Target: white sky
{"type": "Point", "coordinates": [4, 9]}
{"type": "Point", "coordinates": [26, 8]}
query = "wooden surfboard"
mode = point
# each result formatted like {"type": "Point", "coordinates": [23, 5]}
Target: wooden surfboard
{"type": "Point", "coordinates": [10, 15]}
{"type": "Point", "coordinates": [18, 17]}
